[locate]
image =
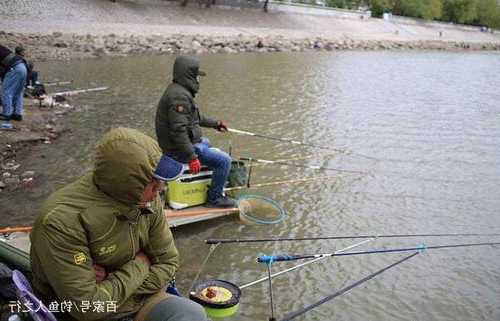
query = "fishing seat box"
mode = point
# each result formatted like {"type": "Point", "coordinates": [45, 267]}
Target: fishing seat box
{"type": "Point", "coordinates": [189, 189]}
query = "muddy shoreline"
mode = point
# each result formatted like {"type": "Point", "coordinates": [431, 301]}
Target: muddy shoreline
{"type": "Point", "coordinates": [41, 124]}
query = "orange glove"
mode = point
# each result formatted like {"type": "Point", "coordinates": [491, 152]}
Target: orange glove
{"type": "Point", "coordinates": [194, 166]}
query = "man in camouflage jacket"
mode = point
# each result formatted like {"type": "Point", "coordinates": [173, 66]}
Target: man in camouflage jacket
{"type": "Point", "coordinates": [104, 239]}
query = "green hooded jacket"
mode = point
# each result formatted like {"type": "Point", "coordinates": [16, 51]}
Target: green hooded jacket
{"type": "Point", "coordinates": [95, 220]}
{"type": "Point", "coordinates": [178, 119]}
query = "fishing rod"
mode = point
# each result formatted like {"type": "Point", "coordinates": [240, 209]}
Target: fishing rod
{"type": "Point", "coordinates": [264, 161]}
{"type": "Point", "coordinates": [295, 314]}
{"type": "Point", "coordinates": [301, 265]}
{"type": "Point", "coordinates": [296, 142]}
{"type": "Point", "coordinates": [8, 230]}
{"type": "Point", "coordinates": [289, 181]}
{"type": "Point", "coordinates": [280, 258]}
{"type": "Point", "coordinates": [375, 236]}
{"type": "Point", "coordinates": [287, 160]}
{"type": "Point", "coordinates": [57, 83]}
{"type": "Point", "coordinates": [284, 140]}
{"type": "Point", "coordinates": [77, 91]}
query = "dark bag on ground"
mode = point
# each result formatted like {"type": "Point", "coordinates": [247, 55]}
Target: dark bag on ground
{"type": "Point", "coordinates": [39, 90]}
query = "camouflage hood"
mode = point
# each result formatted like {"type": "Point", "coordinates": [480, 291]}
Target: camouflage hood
{"type": "Point", "coordinates": [124, 163]}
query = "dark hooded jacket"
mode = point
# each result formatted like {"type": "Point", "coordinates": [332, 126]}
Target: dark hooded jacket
{"type": "Point", "coordinates": [7, 60]}
{"type": "Point", "coordinates": [95, 220]}
{"type": "Point", "coordinates": [178, 119]}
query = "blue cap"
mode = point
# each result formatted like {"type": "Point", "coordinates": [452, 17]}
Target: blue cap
{"type": "Point", "coordinates": [168, 169]}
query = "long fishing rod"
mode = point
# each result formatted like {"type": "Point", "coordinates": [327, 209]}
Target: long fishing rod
{"type": "Point", "coordinates": [296, 142]}
{"type": "Point", "coordinates": [284, 140]}
{"type": "Point", "coordinates": [280, 258]}
{"type": "Point", "coordinates": [77, 91]}
{"type": "Point", "coordinates": [8, 230]}
{"type": "Point", "coordinates": [289, 181]}
{"type": "Point", "coordinates": [57, 83]}
{"type": "Point", "coordinates": [264, 161]}
{"type": "Point", "coordinates": [288, 159]}
{"type": "Point", "coordinates": [300, 265]}
{"type": "Point", "coordinates": [284, 239]}
{"type": "Point", "coordinates": [295, 314]}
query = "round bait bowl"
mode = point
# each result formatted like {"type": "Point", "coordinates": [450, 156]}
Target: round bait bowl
{"type": "Point", "coordinates": [224, 304]}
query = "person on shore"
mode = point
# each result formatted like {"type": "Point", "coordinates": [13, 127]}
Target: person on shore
{"type": "Point", "coordinates": [33, 88]}
{"type": "Point", "coordinates": [13, 73]}
{"type": "Point", "coordinates": [178, 129]}
{"type": "Point", "coordinates": [104, 241]}
{"type": "Point", "coordinates": [32, 77]}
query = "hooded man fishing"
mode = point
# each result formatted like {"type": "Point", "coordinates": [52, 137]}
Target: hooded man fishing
{"type": "Point", "coordinates": [178, 128]}
{"type": "Point", "coordinates": [104, 240]}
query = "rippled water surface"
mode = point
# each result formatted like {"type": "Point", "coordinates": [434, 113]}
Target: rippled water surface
{"type": "Point", "coordinates": [423, 127]}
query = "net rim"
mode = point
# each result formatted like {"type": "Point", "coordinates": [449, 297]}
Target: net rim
{"type": "Point", "coordinates": [282, 212]}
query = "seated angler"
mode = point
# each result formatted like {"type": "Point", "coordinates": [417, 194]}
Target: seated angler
{"type": "Point", "coordinates": [104, 238]}
{"type": "Point", "coordinates": [178, 129]}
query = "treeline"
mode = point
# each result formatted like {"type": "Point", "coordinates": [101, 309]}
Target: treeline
{"type": "Point", "coordinates": [475, 12]}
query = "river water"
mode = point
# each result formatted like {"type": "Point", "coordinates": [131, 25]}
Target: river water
{"type": "Point", "coordinates": [423, 128]}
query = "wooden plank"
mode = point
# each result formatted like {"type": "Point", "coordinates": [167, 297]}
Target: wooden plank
{"type": "Point", "coordinates": [8, 230]}
{"type": "Point", "coordinates": [199, 210]}
{"type": "Point", "coordinates": [193, 219]}
{"type": "Point", "coordinates": [196, 214]}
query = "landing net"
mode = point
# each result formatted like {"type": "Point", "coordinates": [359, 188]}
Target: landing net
{"type": "Point", "coordinates": [260, 209]}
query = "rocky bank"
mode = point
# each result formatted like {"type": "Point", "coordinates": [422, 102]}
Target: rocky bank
{"type": "Point", "coordinates": [62, 46]}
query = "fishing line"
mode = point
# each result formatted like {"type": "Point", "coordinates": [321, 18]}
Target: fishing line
{"type": "Point", "coordinates": [295, 314]}
{"type": "Point", "coordinates": [210, 251]}
{"type": "Point", "coordinates": [284, 239]}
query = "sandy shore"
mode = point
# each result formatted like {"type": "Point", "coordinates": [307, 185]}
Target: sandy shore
{"type": "Point", "coordinates": [66, 29]}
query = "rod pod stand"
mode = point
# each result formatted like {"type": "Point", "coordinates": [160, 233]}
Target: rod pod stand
{"type": "Point", "coordinates": [249, 176]}
{"type": "Point", "coordinates": [268, 264]}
